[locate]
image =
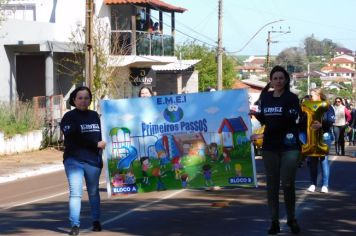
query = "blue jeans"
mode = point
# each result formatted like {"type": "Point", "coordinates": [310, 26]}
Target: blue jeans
{"type": "Point", "coordinates": [324, 164]}
{"type": "Point", "coordinates": [75, 171]}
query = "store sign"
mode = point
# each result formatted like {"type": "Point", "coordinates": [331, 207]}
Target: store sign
{"type": "Point", "coordinates": [141, 76]}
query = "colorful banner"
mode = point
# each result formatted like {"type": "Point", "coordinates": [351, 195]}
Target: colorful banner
{"type": "Point", "coordinates": [197, 140]}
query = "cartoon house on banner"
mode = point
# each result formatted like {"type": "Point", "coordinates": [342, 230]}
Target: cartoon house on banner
{"type": "Point", "coordinates": [175, 149]}
{"type": "Point", "coordinates": [233, 132]}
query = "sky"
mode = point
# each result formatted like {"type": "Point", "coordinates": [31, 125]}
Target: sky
{"type": "Point", "coordinates": [242, 19]}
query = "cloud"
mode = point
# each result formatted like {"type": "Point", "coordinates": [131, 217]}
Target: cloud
{"type": "Point", "coordinates": [127, 117]}
{"type": "Point", "coordinates": [212, 110]}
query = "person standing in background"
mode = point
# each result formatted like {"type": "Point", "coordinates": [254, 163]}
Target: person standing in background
{"type": "Point", "coordinates": [352, 137]}
{"type": "Point", "coordinates": [145, 92]}
{"type": "Point", "coordinates": [328, 119]}
{"type": "Point", "coordinates": [342, 117]}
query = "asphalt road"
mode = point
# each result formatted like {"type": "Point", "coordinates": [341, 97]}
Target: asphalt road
{"type": "Point", "coordinates": [38, 206]}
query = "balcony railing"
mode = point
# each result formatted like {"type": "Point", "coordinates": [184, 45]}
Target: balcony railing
{"type": "Point", "coordinates": [146, 44]}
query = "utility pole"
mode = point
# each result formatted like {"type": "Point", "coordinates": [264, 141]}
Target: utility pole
{"type": "Point", "coordinates": [220, 48]}
{"type": "Point", "coordinates": [269, 41]}
{"type": "Point", "coordinates": [89, 12]}
{"type": "Point", "coordinates": [308, 81]}
{"type": "Point", "coordinates": [268, 48]}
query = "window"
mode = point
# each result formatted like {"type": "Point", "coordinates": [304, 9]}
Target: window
{"type": "Point", "coordinates": [20, 11]}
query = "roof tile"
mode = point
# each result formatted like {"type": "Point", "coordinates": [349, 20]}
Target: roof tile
{"type": "Point", "coordinates": [155, 3]}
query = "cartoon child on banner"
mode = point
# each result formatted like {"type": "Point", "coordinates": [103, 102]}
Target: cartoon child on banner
{"type": "Point", "coordinates": [227, 159]}
{"type": "Point", "coordinates": [213, 151]}
{"type": "Point", "coordinates": [184, 178]}
{"type": "Point", "coordinates": [130, 179]}
{"type": "Point", "coordinates": [156, 172]}
{"type": "Point", "coordinates": [163, 159]}
{"type": "Point", "coordinates": [145, 164]}
{"type": "Point", "coordinates": [238, 169]}
{"type": "Point", "coordinates": [176, 167]}
{"type": "Point", "coordinates": [207, 175]}
{"type": "Point", "coordinates": [117, 180]}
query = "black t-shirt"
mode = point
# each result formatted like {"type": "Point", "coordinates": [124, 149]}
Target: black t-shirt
{"type": "Point", "coordinates": [82, 132]}
{"type": "Point", "coordinates": [280, 116]}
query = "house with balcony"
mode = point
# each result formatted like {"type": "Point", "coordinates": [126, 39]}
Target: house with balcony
{"type": "Point", "coordinates": [344, 61]}
{"type": "Point", "coordinates": [139, 28]}
{"type": "Point", "coordinates": [35, 38]}
{"type": "Point", "coordinates": [339, 69]}
{"type": "Point", "coordinates": [338, 74]}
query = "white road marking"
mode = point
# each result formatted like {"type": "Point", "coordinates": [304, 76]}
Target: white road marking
{"type": "Point", "coordinates": [44, 198]}
{"type": "Point", "coordinates": [35, 200]}
{"type": "Point", "coordinates": [138, 208]}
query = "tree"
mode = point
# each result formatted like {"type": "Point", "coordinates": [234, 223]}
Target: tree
{"type": "Point", "coordinates": [344, 93]}
{"type": "Point", "coordinates": [302, 85]}
{"type": "Point", "coordinates": [107, 78]}
{"type": "Point", "coordinates": [314, 47]}
{"type": "Point", "coordinates": [294, 59]}
{"type": "Point", "coordinates": [207, 67]}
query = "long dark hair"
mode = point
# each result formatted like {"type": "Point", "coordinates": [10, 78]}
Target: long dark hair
{"type": "Point", "coordinates": [145, 87]}
{"type": "Point", "coordinates": [339, 98]}
{"type": "Point", "coordinates": [268, 86]}
{"type": "Point", "coordinates": [74, 94]}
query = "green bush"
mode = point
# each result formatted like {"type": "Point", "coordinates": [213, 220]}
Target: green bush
{"type": "Point", "coordinates": [18, 118]}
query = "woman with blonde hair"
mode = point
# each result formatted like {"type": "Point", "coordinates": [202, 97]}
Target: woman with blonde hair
{"type": "Point", "coordinates": [328, 119]}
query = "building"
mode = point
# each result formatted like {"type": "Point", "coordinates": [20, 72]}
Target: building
{"type": "Point", "coordinates": [339, 69]}
{"type": "Point", "coordinates": [342, 51]}
{"type": "Point", "coordinates": [253, 66]}
{"type": "Point", "coordinates": [35, 42]}
{"type": "Point", "coordinates": [344, 61]}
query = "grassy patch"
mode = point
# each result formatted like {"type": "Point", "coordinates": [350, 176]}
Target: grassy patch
{"type": "Point", "coordinates": [18, 118]}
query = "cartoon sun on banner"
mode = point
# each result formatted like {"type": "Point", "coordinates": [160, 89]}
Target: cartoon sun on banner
{"type": "Point", "coordinates": [178, 141]}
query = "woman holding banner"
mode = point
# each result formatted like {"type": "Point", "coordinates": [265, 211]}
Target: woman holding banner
{"type": "Point", "coordinates": [279, 111]}
{"type": "Point", "coordinates": [82, 156]}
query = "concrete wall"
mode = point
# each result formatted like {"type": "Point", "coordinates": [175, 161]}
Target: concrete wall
{"type": "Point", "coordinates": [192, 82]}
{"type": "Point", "coordinates": [167, 82]}
{"type": "Point", "coordinates": [21, 143]}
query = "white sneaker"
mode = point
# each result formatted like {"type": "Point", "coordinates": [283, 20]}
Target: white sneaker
{"type": "Point", "coordinates": [324, 189]}
{"type": "Point", "coordinates": [311, 188]}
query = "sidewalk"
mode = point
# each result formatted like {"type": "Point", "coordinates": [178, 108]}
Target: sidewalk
{"type": "Point", "coordinates": [28, 164]}
{"type": "Point", "coordinates": [49, 160]}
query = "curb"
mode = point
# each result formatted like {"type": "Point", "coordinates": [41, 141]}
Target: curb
{"type": "Point", "coordinates": [23, 173]}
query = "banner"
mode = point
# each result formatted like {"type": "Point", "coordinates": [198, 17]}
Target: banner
{"type": "Point", "coordinates": [197, 140]}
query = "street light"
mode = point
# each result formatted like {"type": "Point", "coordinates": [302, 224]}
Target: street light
{"type": "Point", "coordinates": [269, 23]}
{"type": "Point", "coordinates": [308, 78]}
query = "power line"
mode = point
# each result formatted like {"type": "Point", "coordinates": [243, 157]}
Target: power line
{"type": "Point", "coordinates": [248, 42]}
